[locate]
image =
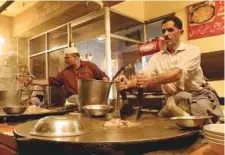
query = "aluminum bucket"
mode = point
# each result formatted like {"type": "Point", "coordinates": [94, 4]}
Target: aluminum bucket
{"type": "Point", "coordinates": [9, 97]}
{"type": "Point", "coordinates": [92, 92]}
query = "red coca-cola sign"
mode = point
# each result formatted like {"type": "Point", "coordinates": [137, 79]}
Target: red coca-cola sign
{"type": "Point", "coordinates": [150, 47]}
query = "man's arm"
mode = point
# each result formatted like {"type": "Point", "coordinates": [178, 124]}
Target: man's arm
{"type": "Point", "coordinates": [53, 81]}
{"type": "Point", "coordinates": [182, 71]}
{"type": "Point", "coordinates": [98, 73]}
{"type": "Point", "coordinates": [30, 80]}
{"type": "Point", "coordinates": [173, 75]}
{"type": "Point", "coordinates": [43, 82]}
{"type": "Point", "coordinates": [106, 79]}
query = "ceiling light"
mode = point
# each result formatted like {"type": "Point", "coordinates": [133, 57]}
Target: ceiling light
{"type": "Point", "coordinates": [2, 40]}
{"type": "Point", "coordinates": [100, 38]}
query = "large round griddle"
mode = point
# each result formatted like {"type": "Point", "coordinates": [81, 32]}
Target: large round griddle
{"type": "Point", "coordinates": [27, 116]}
{"type": "Point", "coordinates": [151, 128]}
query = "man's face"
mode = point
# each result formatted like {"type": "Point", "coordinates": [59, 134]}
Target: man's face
{"type": "Point", "coordinates": [70, 59]}
{"type": "Point", "coordinates": [171, 33]}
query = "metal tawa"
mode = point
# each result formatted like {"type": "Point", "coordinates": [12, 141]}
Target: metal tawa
{"type": "Point", "coordinates": [149, 128]}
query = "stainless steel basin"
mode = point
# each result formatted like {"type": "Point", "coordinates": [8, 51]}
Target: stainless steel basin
{"type": "Point", "coordinates": [57, 126]}
{"type": "Point", "coordinates": [14, 109]}
{"type": "Point", "coordinates": [190, 121]}
{"type": "Point", "coordinates": [97, 110]}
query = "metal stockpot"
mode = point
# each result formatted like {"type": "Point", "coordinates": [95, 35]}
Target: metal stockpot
{"type": "Point", "coordinates": [92, 92]}
{"type": "Point", "coordinates": [10, 97]}
{"type": "Point", "coordinates": [10, 101]}
{"type": "Point", "coordinates": [14, 97]}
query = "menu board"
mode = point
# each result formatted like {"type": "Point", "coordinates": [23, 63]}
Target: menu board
{"type": "Point", "coordinates": [205, 19]}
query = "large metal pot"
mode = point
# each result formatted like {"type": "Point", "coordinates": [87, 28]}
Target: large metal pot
{"type": "Point", "coordinates": [93, 92]}
{"type": "Point", "coordinates": [10, 97]}
{"type": "Point", "coordinates": [10, 102]}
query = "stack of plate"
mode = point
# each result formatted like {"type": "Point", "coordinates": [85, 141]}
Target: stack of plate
{"type": "Point", "coordinates": [214, 134]}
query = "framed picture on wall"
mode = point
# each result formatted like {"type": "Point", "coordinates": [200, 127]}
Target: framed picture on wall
{"type": "Point", "coordinates": [205, 19]}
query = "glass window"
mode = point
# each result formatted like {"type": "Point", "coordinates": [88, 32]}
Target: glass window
{"type": "Point", "coordinates": [94, 51]}
{"type": "Point", "coordinates": [38, 66]}
{"type": "Point", "coordinates": [126, 27]}
{"type": "Point", "coordinates": [154, 29]}
{"type": "Point", "coordinates": [57, 37]}
{"type": "Point", "coordinates": [88, 30]}
{"type": "Point", "coordinates": [37, 45]}
{"type": "Point", "coordinates": [123, 54]}
{"type": "Point", "coordinates": [56, 64]}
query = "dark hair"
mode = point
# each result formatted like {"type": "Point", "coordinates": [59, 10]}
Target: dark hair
{"type": "Point", "coordinates": [178, 23]}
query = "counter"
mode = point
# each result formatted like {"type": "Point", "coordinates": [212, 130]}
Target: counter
{"type": "Point", "coordinates": [155, 135]}
{"type": "Point", "coordinates": [7, 140]}
{"type": "Point", "coordinates": [194, 145]}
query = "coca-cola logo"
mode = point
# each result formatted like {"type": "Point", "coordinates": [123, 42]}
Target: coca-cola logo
{"type": "Point", "coordinates": [149, 48]}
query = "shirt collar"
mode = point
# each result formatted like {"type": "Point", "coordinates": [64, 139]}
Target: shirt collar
{"type": "Point", "coordinates": [81, 63]}
{"type": "Point", "coordinates": [180, 48]}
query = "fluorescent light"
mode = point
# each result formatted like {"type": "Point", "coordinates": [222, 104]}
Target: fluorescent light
{"type": "Point", "coordinates": [101, 38]}
{"type": "Point", "coordinates": [2, 40]}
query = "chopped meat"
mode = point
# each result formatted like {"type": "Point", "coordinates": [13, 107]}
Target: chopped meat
{"type": "Point", "coordinates": [119, 123]}
{"type": "Point", "coordinates": [34, 109]}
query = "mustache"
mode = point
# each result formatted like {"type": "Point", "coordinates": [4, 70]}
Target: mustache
{"type": "Point", "coordinates": [166, 37]}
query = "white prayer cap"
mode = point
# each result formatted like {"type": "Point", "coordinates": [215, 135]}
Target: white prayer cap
{"type": "Point", "coordinates": [72, 50]}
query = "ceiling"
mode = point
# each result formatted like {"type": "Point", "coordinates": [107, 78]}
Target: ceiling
{"type": "Point", "coordinates": [17, 7]}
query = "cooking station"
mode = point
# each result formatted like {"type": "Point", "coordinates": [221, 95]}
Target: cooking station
{"type": "Point", "coordinates": [41, 38]}
{"type": "Point", "coordinates": [152, 134]}
{"type": "Point", "coordinates": [147, 134]}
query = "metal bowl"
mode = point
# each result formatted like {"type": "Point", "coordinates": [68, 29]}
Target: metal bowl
{"type": "Point", "coordinates": [190, 121]}
{"type": "Point", "coordinates": [57, 126]}
{"type": "Point", "coordinates": [14, 109]}
{"type": "Point", "coordinates": [97, 110]}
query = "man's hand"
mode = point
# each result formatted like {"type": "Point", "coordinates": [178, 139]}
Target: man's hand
{"type": "Point", "coordinates": [26, 80]}
{"type": "Point", "coordinates": [105, 79]}
{"type": "Point", "coordinates": [144, 80]}
{"type": "Point", "coordinates": [123, 83]}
